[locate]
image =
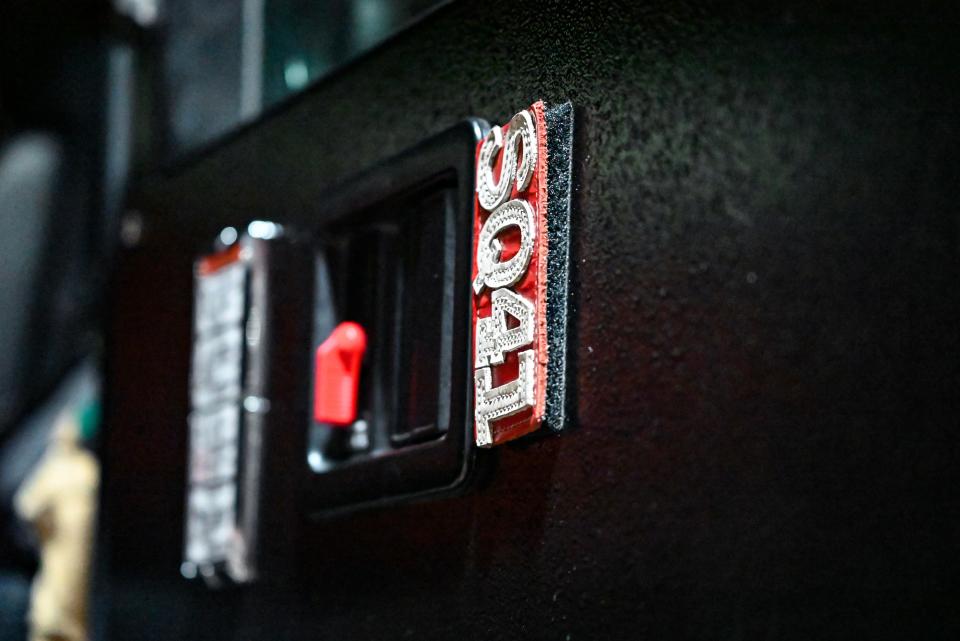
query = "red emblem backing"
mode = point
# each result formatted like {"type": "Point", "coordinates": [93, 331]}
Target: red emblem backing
{"type": "Point", "coordinates": [510, 279]}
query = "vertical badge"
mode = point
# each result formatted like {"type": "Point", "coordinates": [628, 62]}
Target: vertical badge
{"type": "Point", "coordinates": [520, 274]}
{"type": "Point", "coordinates": [215, 420]}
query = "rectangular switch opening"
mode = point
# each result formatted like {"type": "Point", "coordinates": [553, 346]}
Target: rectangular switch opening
{"type": "Point", "coordinates": [421, 327]}
{"type": "Point", "coordinates": [394, 256]}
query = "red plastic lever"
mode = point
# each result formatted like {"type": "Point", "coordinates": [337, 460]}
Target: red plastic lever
{"type": "Point", "coordinates": [337, 375]}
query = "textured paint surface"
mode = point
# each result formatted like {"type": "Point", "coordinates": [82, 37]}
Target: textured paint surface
{"type": "Point", "coordinates": [559, 120]}
{"type": "Point", "coordinates": [765, 343]}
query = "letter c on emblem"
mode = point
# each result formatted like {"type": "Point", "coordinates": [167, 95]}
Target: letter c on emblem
{"type": "Point", "coordinates": [491, 272]}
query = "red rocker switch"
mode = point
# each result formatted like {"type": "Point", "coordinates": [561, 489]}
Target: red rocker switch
{"type": "Point", "coordinates": [337, 375]}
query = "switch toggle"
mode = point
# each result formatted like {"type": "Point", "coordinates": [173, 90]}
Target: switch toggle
{"type": "Point", "coordinates": [337, 375]}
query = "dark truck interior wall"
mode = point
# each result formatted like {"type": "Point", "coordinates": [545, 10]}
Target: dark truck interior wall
{"type": "Point", "coordinates": [765, 339]}
{"type": "Point", "coordinates": [53, 244]}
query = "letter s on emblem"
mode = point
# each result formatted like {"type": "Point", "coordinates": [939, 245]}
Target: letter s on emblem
{"type": "Point", "coordinates": [522, 129]}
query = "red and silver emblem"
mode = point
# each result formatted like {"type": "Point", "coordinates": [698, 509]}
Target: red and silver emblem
{"type": "Point", "coordinates": [520, 274]}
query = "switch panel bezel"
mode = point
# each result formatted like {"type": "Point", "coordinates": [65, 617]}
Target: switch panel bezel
{"type": "Point", "coordinates": [406, 466]}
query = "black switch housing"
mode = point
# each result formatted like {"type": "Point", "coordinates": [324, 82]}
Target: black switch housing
{"type": "Point", "coordinates": [394, 256]}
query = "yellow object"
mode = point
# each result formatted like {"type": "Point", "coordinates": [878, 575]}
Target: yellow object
{"type": "Point", "coordinates": [59, 499]}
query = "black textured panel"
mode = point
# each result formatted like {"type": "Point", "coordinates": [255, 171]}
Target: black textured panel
{"type": "Point", "coordinates": [765, 303]}
{"type": "Point", "coordinates": [559, 121]}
